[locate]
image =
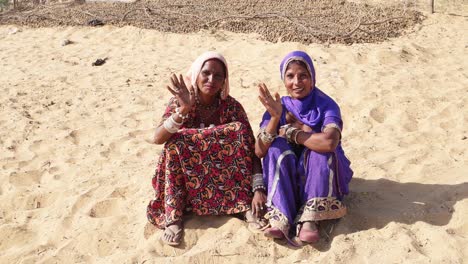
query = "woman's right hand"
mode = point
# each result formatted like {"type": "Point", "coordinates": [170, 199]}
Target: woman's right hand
{"type": "Point", "coordinates": [185, 95]}
{"type": "Point", "coordinates": [272, 105]}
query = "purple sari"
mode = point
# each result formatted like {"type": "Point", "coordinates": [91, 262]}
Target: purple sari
{"type": "Point", "coordinates": [304, 185]}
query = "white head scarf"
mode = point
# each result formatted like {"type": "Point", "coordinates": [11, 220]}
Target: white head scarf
{"type": "Point", "coordinates": [197, 65]}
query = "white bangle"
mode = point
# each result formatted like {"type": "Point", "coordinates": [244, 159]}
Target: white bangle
{"type": "Point", "coordinates": [171, 126]}
{"type": "Point", "coordinates": [175, 122]}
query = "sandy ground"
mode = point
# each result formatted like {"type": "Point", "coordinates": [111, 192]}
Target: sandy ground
{"type": "Point", "coordinates": [76, 163]}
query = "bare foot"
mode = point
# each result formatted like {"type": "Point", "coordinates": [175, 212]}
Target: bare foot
{"type": "Point", "coordinates": [308, 232]}
{"type": "Point", "coordinates": [173, 234]}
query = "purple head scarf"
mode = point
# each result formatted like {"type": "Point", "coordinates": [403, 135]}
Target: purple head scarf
{"type": "Point", "coordinates": [297, 56]}
{"type": "Point", "coordinates": [313, 109]}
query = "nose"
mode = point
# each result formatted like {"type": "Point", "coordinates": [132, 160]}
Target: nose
{"type": "Point", "coordinates": [296, 80]}
{"type": "Point", "coordinates": [210, 78]}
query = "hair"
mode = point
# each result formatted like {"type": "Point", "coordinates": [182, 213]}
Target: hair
{"type": "Point", "coordinates": [300, 63]}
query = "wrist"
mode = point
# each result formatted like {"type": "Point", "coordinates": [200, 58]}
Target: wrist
{"type": "Point", "coordinates": [184, 110]}
{"type": "Point", "coordinates": [180, 114]}
{"type": "Point", "coordinates": [257, 182]}
{"type": "Point", "coordinates": [259, 190]}
{"type": "Point", "coordinates": [266, 136]}
{"type": "Point", "coordinates": [275, 120]}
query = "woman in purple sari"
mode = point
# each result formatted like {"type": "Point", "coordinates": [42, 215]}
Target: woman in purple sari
{"type": "Point", "coordinates": [305, 171]}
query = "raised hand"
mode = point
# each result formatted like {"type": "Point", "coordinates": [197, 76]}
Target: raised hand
{"type": "Point", "coordinates": [185, 95]}
{"type": "Point", "coordinates": [272, 105]}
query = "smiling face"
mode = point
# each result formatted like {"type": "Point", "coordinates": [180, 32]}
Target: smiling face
{"type": "Point", "coordinates": [211, 78]}
{"type": "Point", "coordinates": [297, 80]}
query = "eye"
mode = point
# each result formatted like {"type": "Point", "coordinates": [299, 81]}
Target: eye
{"type": "Point", "coordinates": [205, 73]}
{"type": "Point", "coordinates": [219, 77]}
{"type": "Point", "coordinates": [289, 75]}
{"type": "Point", "coordinates": [304, 76]}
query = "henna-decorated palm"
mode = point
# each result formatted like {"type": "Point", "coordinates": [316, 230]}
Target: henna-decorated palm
{"type": "Point", "coordinates": [184, 95]}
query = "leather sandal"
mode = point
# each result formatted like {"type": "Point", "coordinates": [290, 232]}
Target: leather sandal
{"type": "Point", "coordinates": [172, 234]}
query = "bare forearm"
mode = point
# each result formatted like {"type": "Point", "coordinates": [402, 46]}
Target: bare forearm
{"type": "Point", "coordinates": [257, 165]}
{"type": "Point", "coordinates": [319, 142]}
{"type": "Point", "coordinates": [161, 135]}
{"type": "Point", "coordinates": [261, 147]}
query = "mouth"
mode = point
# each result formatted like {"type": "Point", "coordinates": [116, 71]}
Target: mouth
{"type": "Point", "coordinates": [297, 90]}
{"type": "Point", "coordinates": [210, 87]}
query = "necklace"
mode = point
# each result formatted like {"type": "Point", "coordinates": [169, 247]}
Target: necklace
{"type": "Point", "coordinates": [206, 115]}
{"type": "Point", "coordinates": [206, 112]}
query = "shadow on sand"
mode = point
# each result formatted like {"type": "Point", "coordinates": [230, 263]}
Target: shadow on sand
{"type": "Point", "coordinates": [373, 204]}
{"type": "Point", "coordinates": [376, 203]}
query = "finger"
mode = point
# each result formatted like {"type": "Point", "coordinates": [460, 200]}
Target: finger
{"type": "Point", "coordinates": [254, 209]}
{"type": "Point", "coordinates": [262, 92]}
{"type": "Point", "coordinates": [261, 88]}
{"type": "Point", "coordinates": [191, 90]}
{"type": "Point", "coordinates": [277, 97]}
{"type": "Point", "coordinates": [175, 81]}
{"type": "Point", "coordinates": [182, 83]}
{"type": "Point", "coordinates": [267, 92]}
{"type": "Point", "coordinates": [189, 85]}
{"type": "Point", "coordinates": [263, 101]}
{"type": "Point", "coordinates": [171, 90]}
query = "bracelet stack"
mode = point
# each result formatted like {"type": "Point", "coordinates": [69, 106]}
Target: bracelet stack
{"type": "Point", "coordinates": [171, 125]}
{"type": "Point", "coordinates": [257, 182]}
{"type": "Point", "coordinates": [292, 133]}
{"type": "Point", "coordinates": [266, 137]}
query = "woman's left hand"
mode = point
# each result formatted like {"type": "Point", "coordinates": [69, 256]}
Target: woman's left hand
{"type": "Point", "coordinates": [258, 203]}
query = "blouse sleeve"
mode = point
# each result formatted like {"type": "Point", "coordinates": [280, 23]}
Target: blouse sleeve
{"type": "Point", "coordinates": [170, 108]}
{"type": "Point", "coordinates": [332, 122]}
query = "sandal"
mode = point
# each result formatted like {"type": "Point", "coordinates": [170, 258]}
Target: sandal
{"type": "Point", "coordinates": [273, 232]}
{"type": "Point", "coordinates": [172, 234]}
{"type": "Point", "coordinates": [307, 235]}
{"type": "Point", "coordinates": [254, 222]}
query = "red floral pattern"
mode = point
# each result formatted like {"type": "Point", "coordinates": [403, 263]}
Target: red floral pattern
{"type": "Point", "coordinates": [205, 170]}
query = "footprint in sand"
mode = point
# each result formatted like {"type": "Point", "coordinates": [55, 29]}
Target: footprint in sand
{"type": "Point", "coordinates": [130, 122]}
{"type": "Point", "coordinates": [140, 133]}
{"type": "Point", "coordinates": [378, 114]}
{"type": "Point", "coordinates": [40, 147]}
{"type": "Point", "coordinates": [120, 192]}
{"type": "Point", "coordinates": [74, 137]}
{"type": "Point", "coordinates": [82, 199]}
{"type": "Point", "coordinates": [14, 236]}
{"type": "Point", "coordinates": [149, 230]}
{"type": "Point", "coordinates": [105, 208]}
{"type": "Point", "coordinates": [85, 136]}
{"type": "Point", "coordinates": [40, 200]}
{"type": "Point", "coordinates": [410, 124]}
{"type": "Point", "coordinates": [27, 178]}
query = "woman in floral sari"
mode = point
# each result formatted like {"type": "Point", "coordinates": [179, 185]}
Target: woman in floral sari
{"type": "Point", "coordinates": [208, 159]}
{"type": "Point", "coordinates": [306, 173]}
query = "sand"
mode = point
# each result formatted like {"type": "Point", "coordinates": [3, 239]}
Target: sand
{"type": "Point", "coordinates": [76, 161]}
